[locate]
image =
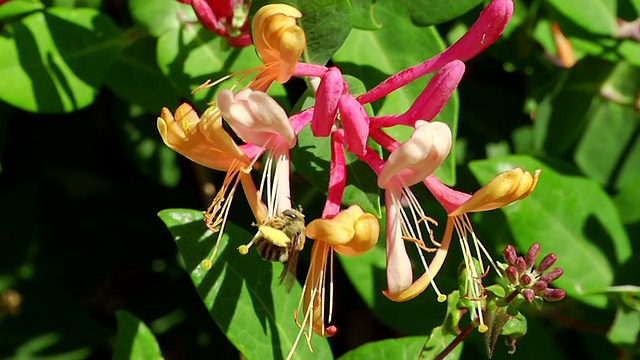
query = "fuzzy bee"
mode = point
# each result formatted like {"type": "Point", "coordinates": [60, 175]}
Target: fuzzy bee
{"type": "Point", "coordinates": [280, 239]}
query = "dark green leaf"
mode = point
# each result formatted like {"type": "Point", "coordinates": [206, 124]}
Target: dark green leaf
{"type": "Point", "coordinates": [403, 348]}
{"type": "Point", "coordinates": [243, 293]}
{"type": "Point", "coordinates": [434, 12]}
{"type": "Point", "coordinates": [442, 336]}
{"type": "Point", "coordinates": [136, 78]}
{"type": "Point", "coordinates": [625, 327]}
{"type": "Point", "coordinates": [56, 61]}
{"type": "Point", "coordinates": [581, 225]}
{"type": "Point", "coordinates": [134, 339]}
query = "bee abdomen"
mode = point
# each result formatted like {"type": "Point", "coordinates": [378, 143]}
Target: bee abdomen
{"type": "Point", "coordinates": [272, 252]}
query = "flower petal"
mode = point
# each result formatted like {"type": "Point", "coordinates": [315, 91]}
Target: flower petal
{"type": "Point", "coordinates": [355, 122]}
{"type": "Point", "coordinates": [419, 156]}
{"type": "Point", "coordinates": [327, 97]}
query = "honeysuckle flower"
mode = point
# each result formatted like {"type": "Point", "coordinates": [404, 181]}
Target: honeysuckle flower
{"type": "Point", "coordinates": [204, 141]}
{"type": "Point", "coordinates": [502, 190]}
{"type": "Point", "coordinates": [279, 42]}
{"type": "Point", "coordinates": [351, 232]}
{"type": "Point", "coordinates": [409, 164]}
{"type": "Point", "coordinates": [226, 18]}
{"type": "Point", "coordinates": [259, 120]}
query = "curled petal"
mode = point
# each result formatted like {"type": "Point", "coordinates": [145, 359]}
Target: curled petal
{"type": "Point", "coordinates": [419, 156]}
{"type": "Point", "coordinates": [351, 232]}
{"type": "Point", "coordinates": [278, 39]}
{"type": "Point", "coordinates": [502, 190]}
{"type": "Point", "coordinates": [257, 118]}
{"type": "Point", "coordinates": [327, 98]}
{"type": "Point", "coordinates": [355, 122]}
{"type": "Point", "coordinates": [182, 133]}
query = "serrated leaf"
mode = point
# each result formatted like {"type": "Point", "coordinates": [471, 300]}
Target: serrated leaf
{"type": "Point", "coordinates": [595, 16]}
{"type": "Point", "coordinates": [403, 348]}
{"type": "Point", "coordinates": [242, 292]}
{"type": "Point", "coordinates": [56, 60]}
{"type": "Point", "coordinates": [434, 12]}
{"type": "Point", "coordinates": [571, 217]}
{"type": "Point", "coordinates": [134, 339]}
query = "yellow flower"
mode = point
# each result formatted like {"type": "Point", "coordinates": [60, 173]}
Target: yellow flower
{"type": "Point", "coordinates": [351, 232]}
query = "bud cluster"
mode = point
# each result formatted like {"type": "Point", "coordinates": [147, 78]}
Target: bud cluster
{"type": "Point", "coordinates": [521, 275]}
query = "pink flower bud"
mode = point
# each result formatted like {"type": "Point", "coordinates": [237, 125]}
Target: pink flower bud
{"type": "Point", "coordinates": [529, 295]}
{"type": "Point", "coordinates": [521, 265]}
{"type": "Point", "coordinates": [546, 263]}
{"type": "Point", "coordinates": [512, 274]}
{"type": "Point", "coordinates": [327, 98]}
{"type": "Point", "coordinates": [510, 255]}
{"type": "Point", "coordinates": [540, 286]}
{"type": "Point", "coordinates": [552, 275]}
{"type": "Point", "coordinates": [532, 255]}
{"type": "Point", "coordinates": [525, 279]}
{"type": "Point", "coordinates": [553, 295]}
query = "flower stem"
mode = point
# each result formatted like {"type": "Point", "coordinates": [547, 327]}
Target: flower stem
{"type": "Point", "coordinates": [460, 338]}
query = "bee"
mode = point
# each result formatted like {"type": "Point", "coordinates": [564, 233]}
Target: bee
{"type": "Point", "coordinates": [280, 239]}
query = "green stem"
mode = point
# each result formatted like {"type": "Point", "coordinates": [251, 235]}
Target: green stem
{"type": "Point", "coordinates": [460, 338]}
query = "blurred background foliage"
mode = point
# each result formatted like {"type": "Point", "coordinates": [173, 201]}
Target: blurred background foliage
{"type": "Point", "coordinates": [85, 261]}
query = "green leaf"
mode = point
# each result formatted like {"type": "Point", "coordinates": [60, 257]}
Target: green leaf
{"type": "Point", "coordinates": [443, 335]}
{"type": "Point", "coordinates": [626, 326]}
{"type": "Point", "coordinates": [136, 78]}
{"type": "Point", "coordinates": [242, 293]}
{"type": "Point", "coordinates": [571, 217]}
{"type": "Point", "coordinates": [595, 16]}
{"type": "Point", "coordinates": [159, 16]}
{"type": "Point", "coordinates": [402, 348]}
{"type": "Point", "coordinates": [434, 12]}
{"type": "Point", "coordinates": [56, 60]}
{"type": "Point", "coordinates": [362, 15]}
{"type": "Point", "coordinates": [134, 339]}
{"type": "Point", "coordinates": [17, 8]}
{"type": "Point", "coordinates": [372, 56]}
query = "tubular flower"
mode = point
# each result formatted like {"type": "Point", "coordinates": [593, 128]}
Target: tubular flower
{"type": "Point", "coordinates": [258, 119]}
{"type": "Point", "coordinates": [351, 232]}
{"type": "Point", "coordinates": [502, 190]}
{"type": "Point", "coordinates": [279, 42]}
{"type": "Point", "coordinates": [407, 165]}
{"type": "Point", "coordinates": [204, 141]}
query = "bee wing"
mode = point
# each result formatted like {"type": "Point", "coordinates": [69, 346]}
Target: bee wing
{"type": "Point", "coordinates": [288, 275]}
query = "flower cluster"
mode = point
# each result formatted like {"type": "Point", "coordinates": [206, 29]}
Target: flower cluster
{"type": "Point", "coordinates": [263, 126]}
{"type": "Point", "coordinates": [524, 279]}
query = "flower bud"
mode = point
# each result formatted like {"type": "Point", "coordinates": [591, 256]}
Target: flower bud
{"type": "Point", "coordinates": [525, 279]}
{"type": "Point", "coordinates": [512, 274]}
{"type": "Point", "coordinates": [552, 275]}
{"type": "Point", "coordinates": [546, 263]}
{"type": "Point", "coordinates": [553, 295]}
{"type": "Point", "coordinates": [510, 255]}
{"type": "Point", "coordinates": [529, 295]}
{"type": "Point", "coordinates": [539, 286]}
{"type": "Point", "coordinates": [521, 265]}
{"type": "Point", "coordinates": [532, 255]}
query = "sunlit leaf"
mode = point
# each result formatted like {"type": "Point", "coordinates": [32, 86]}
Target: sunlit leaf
{"type": "Point", "coordinates": [56, 60]}
{"type": "Point", "coordinates": [134, 339]}
{"type": "Point", "coordinates": [242, 293]}
{"type": "Point", "coordinates": [434, 12]}
{"type": "Point", "coordinates": [596, 16]}
{"type": "Point", "coordinates": [403, 348]}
